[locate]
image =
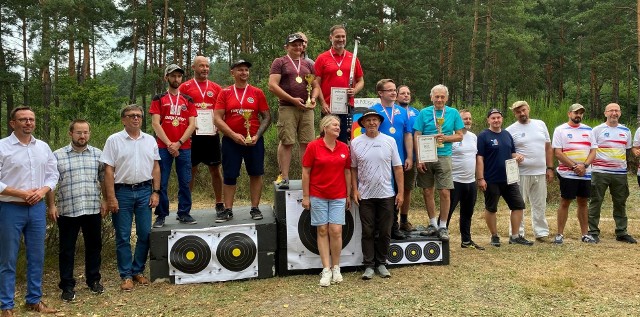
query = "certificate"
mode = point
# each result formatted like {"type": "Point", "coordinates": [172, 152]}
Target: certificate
{"type": "Point", "coordinates": [427, 150]}
{"type": "Point", "coordinates": [339, 99]}
{"type": "Point", "coordinates": [513, 172]}
{"type": "Point", "coordinates": [204, 122]}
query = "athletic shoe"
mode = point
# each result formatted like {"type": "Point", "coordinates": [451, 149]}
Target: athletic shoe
{"type": "Point", "coordinates": [159, 223]}
{"type": "Point", "coordinates": [187, 219]}
{"type": "Point", "coordinates": [368, 274]}
{"type": "Point", "coordinates": [68, 295]}
{"type": "Point", "coordinates": [626, 238]}
{"type": "Point", "coordinates": [559, 239]}
{"type": "Point", "coordinates": [278, 179]}
{"type": "Point", "coordinates": [587, 238]}
{"type": "Point", "coordinates": [96, 288]}
{"type": "Point", "coordinates": [443, 234]}
{"type": "Point", "coordinates": [520, 240]}
{"type": "Point", "coordinates": [470, 245]}
{"type": "Point", "coordinates": [430, 231]}
{"type": "Point", "coordinates": [256, 214]}
{"type": "Point", "coordinates": [596, 237]}
{"type": "Point", "coordinates": [495, 241]}
{"type": "Point", "coordinates": [219, 207]}
{"type": "Point", "coordinates": [325, 277]}
{"type": "Point", "coordinates": [407, 226]}
{"type": "Point", "coordinates": [336, 277]}
{"type": "Point", "coordinates": [397, 235]}
{"type": "Point", "coordinates": [282, 183]}
{"type": "Point", "coordinates": [225, 215]}
{"type": "Point", "coordinates": [382, 270]}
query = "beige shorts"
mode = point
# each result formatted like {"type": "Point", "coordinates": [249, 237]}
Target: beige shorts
{"type": "Point", "coordinates": [295, 124]}
{"type": "Point", "coordinates": [438, 173]}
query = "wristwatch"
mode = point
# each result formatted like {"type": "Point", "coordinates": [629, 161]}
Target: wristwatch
{"type": "Point", "coordinates": [157, 191]}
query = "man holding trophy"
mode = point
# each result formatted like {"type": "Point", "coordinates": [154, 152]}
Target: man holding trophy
{"type": "Point", "coordinates": [242, 115]}
{"type": "Point", "coordinates": [446, 125]}
{"type": "Point", "coordinates": [292, 80]}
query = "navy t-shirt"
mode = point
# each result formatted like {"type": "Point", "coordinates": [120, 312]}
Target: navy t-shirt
{"type": "Point", "coordinates": [495, 148]}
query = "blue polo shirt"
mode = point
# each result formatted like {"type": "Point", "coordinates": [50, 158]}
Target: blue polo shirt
{"type": "Point", "coordinates": [400, 124]}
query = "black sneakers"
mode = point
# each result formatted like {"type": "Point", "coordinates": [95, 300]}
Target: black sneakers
{"type": "Point", "coordinates": [96, 288]}
{"type": "Point", "coordinates": [520, 240]}
{"type": "Point", "coordinates": [68, 295]}
{"type": "Point", "coordinates": [224, 215]}
{"type": "Point", "coordinates": [187, 219]}
{"type": "Point", "coordinates": [159, 223]}
{"type": "Point", "coordinates": [626, 238]}
{"type": "Point", "coordinates": [256, 214]}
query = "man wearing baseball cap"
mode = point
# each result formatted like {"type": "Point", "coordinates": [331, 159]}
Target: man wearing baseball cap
{"type": "Point", "coordinates": [173, 119]}
{"type": "Point", "coordinates": [288, 81]}
{"type": "Point", "coordinates": [375, 162]}
{"type": "Point", "coordinates": [495, 147]}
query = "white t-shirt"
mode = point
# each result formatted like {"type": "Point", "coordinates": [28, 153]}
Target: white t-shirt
{"type": "Point", "coordinates": [463, 158]}
{"type": "Point", "coordinates": [575, 142]}
{"type": "Point", "coordinates": [375, 158]}
{"type": "Point", "coordinates": [530, 140]}
{"type": "Point", "coordinates": [636, 142]}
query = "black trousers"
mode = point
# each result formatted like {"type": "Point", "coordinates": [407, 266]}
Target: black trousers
{"type": "Point", "coordinates": [69, 227]}
{"type": "Point", "coordinates": [466, 195]}
{"type": "Point", "coordinates": [376, 216]}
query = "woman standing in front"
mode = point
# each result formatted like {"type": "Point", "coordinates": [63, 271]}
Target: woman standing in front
{"type": "Point", "coordinates": [326, 185]}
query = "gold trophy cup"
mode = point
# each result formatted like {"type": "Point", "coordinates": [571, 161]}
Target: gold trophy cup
{"type": "Point", "coordinates": [309, 78]}
{"type": "Point", "coordinates": [246, 114]}
{"type": "Point", "coordinates": [439, 123]}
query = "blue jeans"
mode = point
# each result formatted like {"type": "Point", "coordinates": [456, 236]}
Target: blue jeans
{"type": "Point", "coordinates": [16, 221]}
{"type": "Point", "coordinates": [132, 202]}
{"type": "Point", "coordinates": [183, 170]}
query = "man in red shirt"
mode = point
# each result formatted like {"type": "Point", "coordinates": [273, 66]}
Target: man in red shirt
{"type": "Point", "coordinates": [242, 115]}
{"type": "Point", "coordinates": [332, 70]}
{"type": "Point", "coordinates": [205, 148]}
{"type": "Point", "coordinates": [295, 118]}
{"type": "Point", "coordinates": [173, 120]}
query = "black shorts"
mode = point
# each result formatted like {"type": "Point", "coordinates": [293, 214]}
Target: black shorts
{"type": "Point", "coordinates": [510, 193]}
{"type": "Point", "coordinates": [205, 149]}
{"type": "Point", "coordinates": [570, 188]}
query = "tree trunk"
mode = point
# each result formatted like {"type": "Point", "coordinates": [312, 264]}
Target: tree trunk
{"type": "Point", "coordinates": [72, 49]}
{"type": "Point", "coordinates": [472, 57]}
{"type": "Point", "coordinates": [4, 81]}
{"type": "Point", "coordinates": [487, 62]}
{"type": "Point", "coordinates": [134, 67]}
{"type": "Point", "coordinates": [86, 59]}
{"type": "Point", "coordinates": [45, 74]}
{"type": "Point", "coordinates": [25, 59]}
{"type": "Point", "coordinates": [561, 62]}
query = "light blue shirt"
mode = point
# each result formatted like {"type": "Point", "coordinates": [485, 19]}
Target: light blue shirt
{"type": "Point", "coordinates": [427, 126]}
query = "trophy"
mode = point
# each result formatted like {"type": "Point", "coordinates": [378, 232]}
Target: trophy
{"type": "Point", "coordinates": [439, 123]}
{"type": "Point", "coordinates": [309, 78]}
{"type": "Point", "coordinates": [246, 114]}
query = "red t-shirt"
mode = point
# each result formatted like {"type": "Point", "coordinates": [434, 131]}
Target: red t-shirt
{"type": "Point", "coordinates": [254, 99]}
{"type": "Point", "coordinates": [204, 94]}
{"type": "Point", "coordinates": [174, 114]}
{"type": "Point", "coordinates": [326, 179]}
{"type": "Point", "coordinates": [327, 68]}
{"type": "Point", "coordinates": [287, 70]}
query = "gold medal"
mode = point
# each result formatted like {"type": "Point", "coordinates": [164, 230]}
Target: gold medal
{"type": "Point", "coordinates": [175, 122]}
{"type": "Point", "coordinates": [203, 105]}
{"type": "Point", "coordinates": [339, 72]}
{"type": "Point", "coordinates": [299, 80]}
{"type": "Point", "coordinates": [392, 130]}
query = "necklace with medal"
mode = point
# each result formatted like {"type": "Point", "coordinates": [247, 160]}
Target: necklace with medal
{"type": "Point", "coordinates": [339, 72]}
{"type": "Point", "coordinates": [392, 130]}
{"type": "Point", "coordinates": [174, 108]}
{"type": "Point", "coordinates": [203, 105]}
{"type": "Point", "coordinates": [298, 78]}
{"type": "Point", "coordinates": [241, 99]}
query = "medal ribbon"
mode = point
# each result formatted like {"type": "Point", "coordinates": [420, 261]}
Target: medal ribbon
{"type": "Point", "coordinates": [294, 65]}
{"type": "Point", "coordinates": [171, 101]}
{"type": "Point", "coordinates": [235, 91]}
{"type": "Point", "coordinates": [205, 88]}
{"type": "Point", "coordinates": [392, 114]}
{"type": "Point", "coordinates": [334, 59]}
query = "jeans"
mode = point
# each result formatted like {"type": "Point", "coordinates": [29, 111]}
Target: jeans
{"type": "Point", "coordinates": [16, 221]}
{"type": "Point", "coordinates": [376, 216]}
{"type": "Point", "coordinates": [132, 202]}
{"type": "Point", "coordinates": [69, 227]}
{"type": "Point", "coordinates": [465, 194]}
{"type": "Point", "coordinates": [183, 170]}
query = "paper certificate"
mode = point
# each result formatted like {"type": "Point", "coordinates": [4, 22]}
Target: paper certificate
{"type": "Point", "coordinates": [339, 99]}
{"type": "Point", "coordinates": [513, 172]}
{"type": "Point", "coordinates": [427, 150]}
{"type": "Point", "coordinates": [204, 122]}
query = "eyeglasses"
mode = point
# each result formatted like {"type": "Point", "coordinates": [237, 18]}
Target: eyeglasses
{"type": "Point", "coordinates": [25, 120]}
{"type": "Point", "coordinates": [134, 116]}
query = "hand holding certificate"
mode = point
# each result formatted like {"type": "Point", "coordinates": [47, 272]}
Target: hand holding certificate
{"type": "Point", "coordinates": [513, 172]}
{"type": "Point", "coordinates": [339, 99]}
{"type": "Point", "coordinates": [427, 150]}
{"type": "Point", "coordinates": [204, 122]}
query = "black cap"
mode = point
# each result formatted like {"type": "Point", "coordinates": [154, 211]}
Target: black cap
{"type": "Point", "coordinates": [240, 62]}
{"type": "Point", "coordinates": [172, 68]}
{"type": "Point", "coordinates": [292, 38]}
{"type": "Point", "coordinates": [370, 113]}
{"type": "Point", "coordinates": [494, 110]}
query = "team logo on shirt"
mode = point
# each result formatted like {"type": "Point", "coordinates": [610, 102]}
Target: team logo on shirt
{"type": "Point", "coordinates": [210, 93]}
{"type": "Point", "coordinates": [494, 142]}
{"type": "Point", "coordinates": [342, 156]}
{"type": "Point", "coordinates": [606, 134]}
{"type": "Point", "coordinates": [570, 136]}
{"type": "Point", "coordinates": [184, 107]}
{"type": "Point", "coordinates": [250, 100]}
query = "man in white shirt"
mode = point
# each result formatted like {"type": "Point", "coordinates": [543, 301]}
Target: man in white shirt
{"type": "Point", "coordinates": [463, 171]}
{"type": "Point", "coordinates": [531, 138]}
{"type": "Point", "coordinates": [27, 173]}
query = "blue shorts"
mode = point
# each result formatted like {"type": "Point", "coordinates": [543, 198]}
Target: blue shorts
{"type": "Point", "coordinates": [325, 211]}
{"type": "Point", "coordinates": [233, 154]}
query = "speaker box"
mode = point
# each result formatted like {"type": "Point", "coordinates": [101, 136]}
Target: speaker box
{"type": "Point", "coordinates": [209, 251]}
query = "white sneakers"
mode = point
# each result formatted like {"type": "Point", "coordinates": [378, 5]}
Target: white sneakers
{"type": "Point", "coordinates": [329, 276]}
{"type": "Point", "coordinates": [336, 276]}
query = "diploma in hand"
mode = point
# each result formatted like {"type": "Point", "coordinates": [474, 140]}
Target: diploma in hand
{"type": "Point", "coordinates": [339, 100]}
{"type": "Point", "coordinates": [427, 151]}
{"type": "Point", "coordinates": [513, 172]}
{"type": "Point", "coordinates": [204, 122]}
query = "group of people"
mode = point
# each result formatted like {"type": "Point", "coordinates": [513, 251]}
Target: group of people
{"type": "Point", "coordinates": [377, 170]}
